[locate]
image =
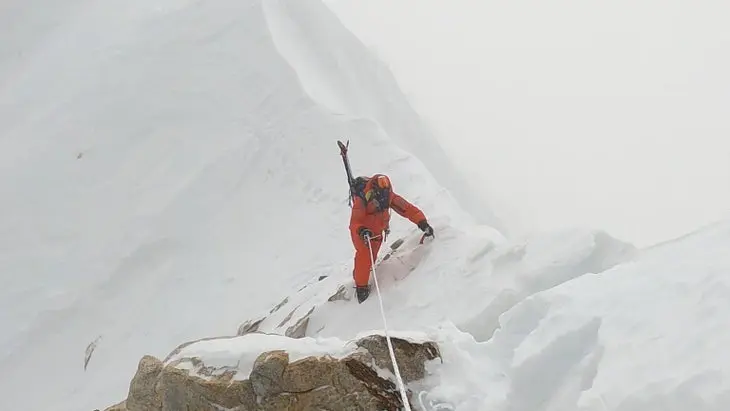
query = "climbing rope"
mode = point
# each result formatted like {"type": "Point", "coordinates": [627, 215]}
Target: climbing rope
{"type": "Point", "coordinates": [398, 378]}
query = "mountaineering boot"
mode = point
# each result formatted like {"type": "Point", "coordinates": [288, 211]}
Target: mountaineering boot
{"type": "Point", "coordinates": [362, 293]}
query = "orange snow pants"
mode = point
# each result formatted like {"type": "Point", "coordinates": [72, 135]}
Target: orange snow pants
{"type": "Point", "coordinates": [361, 272]}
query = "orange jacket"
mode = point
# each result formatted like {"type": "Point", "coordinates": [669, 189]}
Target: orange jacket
{"type": "Point", "coordinates": [365, 215]}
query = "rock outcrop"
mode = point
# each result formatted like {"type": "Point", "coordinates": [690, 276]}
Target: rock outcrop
{"type": "Point", "coordinates": [291, 316]}
{"type": "Point", "coordinates": [359, 381]}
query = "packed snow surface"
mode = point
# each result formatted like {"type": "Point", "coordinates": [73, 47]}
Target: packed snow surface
{"type": "Point", "coordinates": [646, 335]}
{"type": "Point", "coordinates": [463, 278]}
{"type": "Point", "coordinates": [169, 171]}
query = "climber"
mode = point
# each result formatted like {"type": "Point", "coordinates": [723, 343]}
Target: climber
{"type": "Point", "coordinates": [373, 197]}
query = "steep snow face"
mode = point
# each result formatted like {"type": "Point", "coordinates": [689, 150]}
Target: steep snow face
{"type": "Point", "coordinates": [166, 172]}
{"type": "Point", "coordinates": [169, 171]}
{"type": "Point", "coordinates": [337, 71]}
{"type": "Point", "coordinates": [648, 335]}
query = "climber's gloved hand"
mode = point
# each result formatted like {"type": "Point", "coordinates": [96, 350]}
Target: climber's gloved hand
{"type": "Point", "coordinates": [426, 228]}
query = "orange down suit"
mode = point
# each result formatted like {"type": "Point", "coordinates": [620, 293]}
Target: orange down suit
{"type": "Point", "coordinates": [365, 215]}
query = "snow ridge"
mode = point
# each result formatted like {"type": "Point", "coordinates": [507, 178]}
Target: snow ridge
{"type": "Point", "coordinates": [178, 175]}
{"type": "Point", "coordinates": [135, 172]}
{"type": "Point", "coordinates": [339, 73]}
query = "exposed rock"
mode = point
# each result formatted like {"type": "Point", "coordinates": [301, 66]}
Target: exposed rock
{"type": "Point", "coordinates": [309, 373]}
{"type": "Point", "coordinates": [223, 374]}
{"type": "Point", "coordinates": [168, 388]}
{"type": "Point", "coordinates": [293, 329]}
{"type": "Point", "coordinates": [122, 406]}
{"type": "Point", "coordinates": [89, 351]}
{"type": "Point", "coordinates": [411, 357]}
{"type": "Point", "coordinates": [339, 295]}
{"type": "Point", "coordinates": [250, 326]}
{"type": "Point", "coordinates": [267, 372]}
{"type": "Point", "coordinates": [384, 392]}
{"type": "Point", "coordinates": [324, 382]}
{"type": "Point", "coordinates": [281, 304]}
{"type": "Point", "coordinates": [288, 317]}
{"type": "Point", "coordinates": [299, 329]}
{"type": "Point", "coordinates": [142, 392]}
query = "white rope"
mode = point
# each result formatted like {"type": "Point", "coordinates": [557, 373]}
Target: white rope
{"type": "Point", "coordinates": [398, 378]}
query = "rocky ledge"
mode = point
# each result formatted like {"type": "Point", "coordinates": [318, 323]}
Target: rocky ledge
{"type": "Point", "coordinates": [357, 379]}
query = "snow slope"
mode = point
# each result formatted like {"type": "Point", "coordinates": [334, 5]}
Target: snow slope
{"type": "Point", "coordinates": [461, 277]}
{"type": "Point", "coordinates": [169, 172]}
{"type": "Point", "coordinates": [645, 335]}
{"type": "Point", "coordinates": [163, 166]}
{"type": "Point", "coordinates": [342, 75]}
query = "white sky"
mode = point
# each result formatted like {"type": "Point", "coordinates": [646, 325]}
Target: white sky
{"type": "Point", "coordinates": [614, 115]}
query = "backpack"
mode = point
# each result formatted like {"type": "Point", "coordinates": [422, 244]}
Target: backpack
{"type": "Point", "coordinates": [358, 188]}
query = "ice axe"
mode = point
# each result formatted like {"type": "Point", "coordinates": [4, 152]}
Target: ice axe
{"type": "Point", "coordinates": [423, 237]}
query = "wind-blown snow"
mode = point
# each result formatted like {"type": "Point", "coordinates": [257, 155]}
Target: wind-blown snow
{"type": "Point", "coordinates": [170, 171]}
{"type": "Point", "coordinates": [647, 335]}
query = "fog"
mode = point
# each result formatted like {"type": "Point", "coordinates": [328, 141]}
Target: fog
{"type": "Point", "coordinates": [613, 115]}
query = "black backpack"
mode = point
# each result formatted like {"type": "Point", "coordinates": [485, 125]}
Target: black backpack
{"type": "Point", "coordinates": [358, 188]}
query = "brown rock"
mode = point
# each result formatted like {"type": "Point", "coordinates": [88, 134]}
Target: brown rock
{"type": "Point", "coordinates": [177, 395]}
{"type": "Point", "coordinates": [267, 373]}
{"type": "Point", "coordinates": [384, 392]}
{"type": "Point", "coordinates": [310, 373]}
{"type": "Point", "coordinates": [411, 357]}
{"type": "Point", "coordinates": [288, 317]}
{"type": "Point", "coordinates": [143, 394]}
{"type": "Point", "coordinates": [226, 394]}
{"type": "Point", "coordinates": [311, 383]}
{"type": "Point", "coordinates": [299, 329]}
{"type": "Point", "coordinates": [122, 406]}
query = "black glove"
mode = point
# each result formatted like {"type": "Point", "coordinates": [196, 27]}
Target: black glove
{"type": "Point", "coordinates": [426, 228]}
{"type": "Point", "coordinates": [364, 233]}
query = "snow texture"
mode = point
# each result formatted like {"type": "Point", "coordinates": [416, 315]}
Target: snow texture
{"type": "Point", "coordinates": [242, 351]}
{"type": "Point", "coordinates": [169, 171]}
{"type": "Point", "coordinates": [646, 335]}
{"type": "Point", "coordinates": [165, 173]}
